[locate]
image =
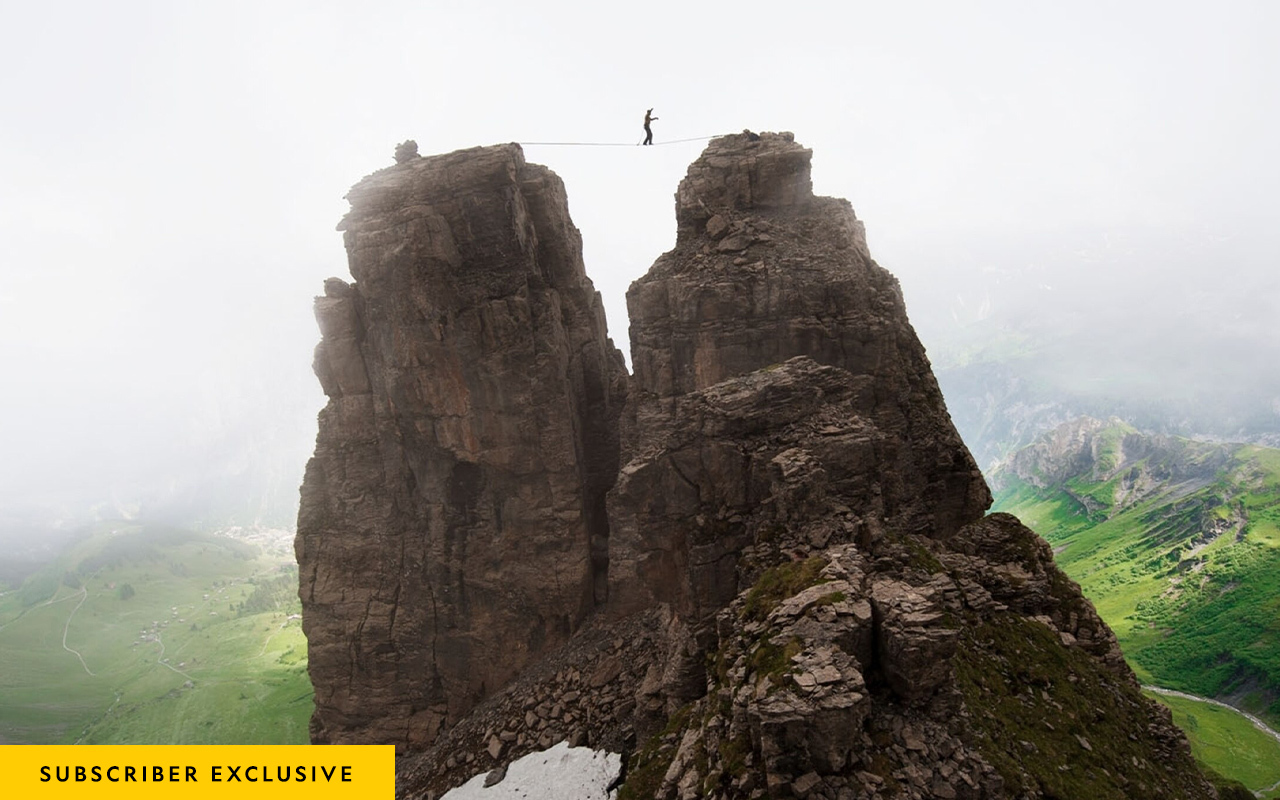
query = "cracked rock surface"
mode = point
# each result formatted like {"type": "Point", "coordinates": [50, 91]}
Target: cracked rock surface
{"type": "Point", "coordinates": [758, 567]}
{"type": "Point", "coordinates": [452, 524]}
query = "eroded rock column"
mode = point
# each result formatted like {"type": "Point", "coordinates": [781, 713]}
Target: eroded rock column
{"type": "Point", "coordinates": [452, 524]}
{"type": "Point", "coordinates": [764, 271]}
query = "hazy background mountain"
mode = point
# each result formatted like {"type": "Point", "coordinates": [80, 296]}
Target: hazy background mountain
{"type": "Point", "coordinates": [1173, 331]}
{"type": "Point", "coordinates": [1078, 201]}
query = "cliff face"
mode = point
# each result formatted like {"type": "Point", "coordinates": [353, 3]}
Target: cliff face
{"type": "Point", "coordinates": [759, 566]}
{"type": "Point", "coordinates": [446, 531]}
{"type": "Point", "coordinates": [764, 271]}
{"type": "Point", "coordinates": [839, 666]}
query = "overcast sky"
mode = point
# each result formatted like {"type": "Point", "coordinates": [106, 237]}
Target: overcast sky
{"type": "Point", "coordinates": [171, 172]}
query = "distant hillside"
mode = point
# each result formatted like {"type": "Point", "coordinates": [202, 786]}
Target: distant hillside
{"type": "Point", "coordinates": [153, 635]}
{"type": "Point", "coordinates": [1006, 386]}
{"type": "Point", "coordinates": [1177, 542]}
{"type": "Point", "coordinates": [1174, 335]}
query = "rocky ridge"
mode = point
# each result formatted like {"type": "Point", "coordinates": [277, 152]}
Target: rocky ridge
{"type": "Point", "coordinates": [1100, 451]}
{"type": "Point", "coordinates": [782, 581]}
{"type": "Point", "coordinates": [764, 271]}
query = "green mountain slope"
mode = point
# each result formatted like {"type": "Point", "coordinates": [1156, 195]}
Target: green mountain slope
{"type": "Point", "coordinates": [1177, 543]}
{"type": "Point", "coordinates": [1228, 742]}
{"type": "Point", "coordinates": [149, 635]}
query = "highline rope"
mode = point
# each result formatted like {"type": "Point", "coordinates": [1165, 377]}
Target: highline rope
{"type": "Point", "coordinates": [614, 144]}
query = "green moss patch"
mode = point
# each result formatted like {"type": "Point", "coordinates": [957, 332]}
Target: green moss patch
{"type": "Point", "coordinates": [779, 583]}
{"type": "Point", "coordinates": [1054, 721]}
{"type": "Point", "coordinates": [650, 763]}
{"type": "Point", "coordinates": [774, 661]}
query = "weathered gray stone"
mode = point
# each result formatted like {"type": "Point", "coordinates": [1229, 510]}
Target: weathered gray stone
{"type": "Point", "coordinates": [698, 323]}
{"type": "Point", "coordinates": [496, 776]}
{"type": "Point", "coordinates": [915, 643]}
{"type": "Point", "coordinates": [717, 226]}
{"type": "Point", "coordinates": [452, 526]}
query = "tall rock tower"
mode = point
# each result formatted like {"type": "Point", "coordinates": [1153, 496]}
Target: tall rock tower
{"type": "Point", "coordinates": [452, 525]}
{"type": "Point", "coordinates": [763, 271]}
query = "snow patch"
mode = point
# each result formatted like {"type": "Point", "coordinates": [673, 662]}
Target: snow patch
{"type": "Point", "coordinates": [560, 773]}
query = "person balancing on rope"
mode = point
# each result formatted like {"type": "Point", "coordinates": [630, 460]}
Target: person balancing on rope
{"type": "Point", "coordinates": [648, 132]}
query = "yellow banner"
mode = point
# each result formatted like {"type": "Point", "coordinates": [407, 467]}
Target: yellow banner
{"type": "Point", "coordinates": [229, 772]}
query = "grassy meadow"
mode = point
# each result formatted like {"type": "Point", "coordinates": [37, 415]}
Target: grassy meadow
{"type": "Point", "coordinates": [1229, 743]}
{"type": "Point", "coordinates": [155, 636]}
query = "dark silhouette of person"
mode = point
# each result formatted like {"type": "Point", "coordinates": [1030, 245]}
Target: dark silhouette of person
{"type": "Point", "coordinates": [648, 132]}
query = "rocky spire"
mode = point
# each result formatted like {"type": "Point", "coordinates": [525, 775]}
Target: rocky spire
{"type": "Point", "coordinates": [452, 523]}
{"type": "Point", "coordinates": [764, 271]}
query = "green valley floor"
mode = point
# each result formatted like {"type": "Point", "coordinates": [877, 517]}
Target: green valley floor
{"type": "Point", "coordinates": [156, 636]}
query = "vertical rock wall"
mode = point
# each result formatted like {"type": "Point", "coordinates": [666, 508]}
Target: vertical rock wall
{"type": "Point", "coordinates": [764, 271]}
{"type": "Point", "coordinates": [452, 525]}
